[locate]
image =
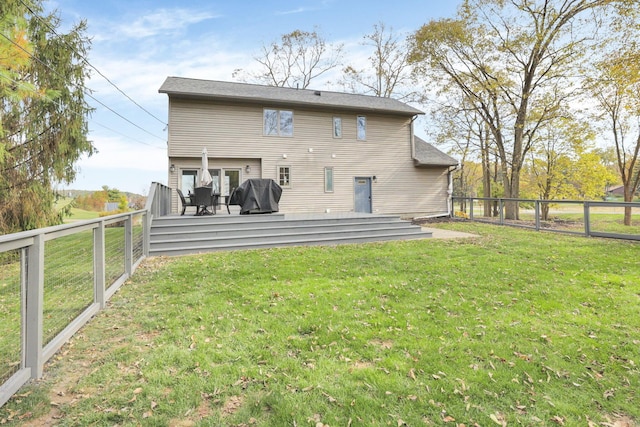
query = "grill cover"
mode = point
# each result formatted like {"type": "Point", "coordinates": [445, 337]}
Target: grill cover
{"type": "Point", "coordinates": [257, 196]}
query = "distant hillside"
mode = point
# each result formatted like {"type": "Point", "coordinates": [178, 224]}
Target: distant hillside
{"type": "Point", "coordinates": [76, 193]}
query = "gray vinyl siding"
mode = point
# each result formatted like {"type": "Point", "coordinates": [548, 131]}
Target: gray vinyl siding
{"type": "Point", "coordinates": [233, 136]}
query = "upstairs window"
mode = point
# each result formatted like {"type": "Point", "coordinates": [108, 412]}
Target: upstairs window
{"type": "Point", "coordinates": [278, 122]}
{"type": "Point", "coordinates": [337, 127]}
{"type": "Point", "coordinates": [361, 128]}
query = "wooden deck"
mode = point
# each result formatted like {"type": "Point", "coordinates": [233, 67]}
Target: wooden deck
{"type": "Point", "coordinates": [179, 235]}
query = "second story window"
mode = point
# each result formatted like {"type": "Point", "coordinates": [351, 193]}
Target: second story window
{"type": "Point", "coordinates": [337, 127]}
{"type": "Point", "coordinates": [278, 122]}
{"type": "Point", "coordinates": [361, 128]}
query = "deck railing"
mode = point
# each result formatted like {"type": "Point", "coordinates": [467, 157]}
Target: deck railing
{"type": "Point", "coordinates": [587, 218]}
{"type": "Point", "coordinates": [53, 280]}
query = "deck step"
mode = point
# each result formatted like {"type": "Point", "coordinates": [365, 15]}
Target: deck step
{"type": "Point", "coordinates": [172, 236]}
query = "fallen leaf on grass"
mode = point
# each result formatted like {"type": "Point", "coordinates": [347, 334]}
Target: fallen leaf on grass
{"type": "Point", "coordinates": [558, 420]}
{"type": "Point", "coordinates": [329, 397]}
{"type": "Point", "coordinates": [232, 405]}
{"type": "Point", "coordinates": [412, 374]}
{"type": "Point", "coordinates": [525, 357]}
{"type": "Point", "coordinates": [621, 421]}
{"type": "Point", "coordinates": [499, 419]}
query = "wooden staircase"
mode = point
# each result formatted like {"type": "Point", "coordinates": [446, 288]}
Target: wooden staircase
{"type": "Point", "coordinates": [181, 235]}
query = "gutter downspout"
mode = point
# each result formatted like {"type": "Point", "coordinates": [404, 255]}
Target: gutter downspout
{"type": "Point", "coordinates": [450, 190]}
{"type": "Point", "coordinates": [413, 141]}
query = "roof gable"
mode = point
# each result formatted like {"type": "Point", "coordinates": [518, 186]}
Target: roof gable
{"type": "Point", "coordinates": [250, 93]}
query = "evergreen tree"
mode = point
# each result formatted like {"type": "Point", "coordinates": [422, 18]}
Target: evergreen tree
{"type": "Point", "coordinates": [43, 112]}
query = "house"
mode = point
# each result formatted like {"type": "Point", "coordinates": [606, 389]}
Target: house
{"type": "Point", "coordinates": [329, 151]}
{"type": "Point", "coordinates": [618, 191]}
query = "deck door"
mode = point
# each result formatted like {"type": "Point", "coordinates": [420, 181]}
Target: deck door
{"type": "Point", "coordinates": [362, 194]}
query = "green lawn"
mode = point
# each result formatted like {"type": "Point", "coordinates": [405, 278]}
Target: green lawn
{"type": "Point", "coordinates": [515, 327]}
{"type": "Point", "coordinates": [81, 214]}
{"type": "Point", "coordinates": [76, 213]}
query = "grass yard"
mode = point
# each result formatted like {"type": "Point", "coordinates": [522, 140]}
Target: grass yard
{"type": "Point", "coordinates": [80, 214]}
{"type": "Point", "coordinates": [515, 327]}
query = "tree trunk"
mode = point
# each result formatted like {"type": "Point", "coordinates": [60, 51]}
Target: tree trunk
{"type": "Point", "coordinates": [512, 191]}
{"type": "Point", "coordinates": [486, 175]}
{"type": "Point", "coordinates": [628, 197]}
{"type": "Point", "coordinates": [544, 211]}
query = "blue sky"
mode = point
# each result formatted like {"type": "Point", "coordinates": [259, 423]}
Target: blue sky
{"type": "Point", "coordinates": [138, 43]}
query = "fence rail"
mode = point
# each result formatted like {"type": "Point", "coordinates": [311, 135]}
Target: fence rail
{"type": "Point", "coordinates": [587, 218]}
{"type": "Point", "coordinates": [53, 280]}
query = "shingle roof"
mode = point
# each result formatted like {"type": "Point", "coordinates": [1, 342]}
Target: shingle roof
{"type": "Point", "coordinates": [428, 155]}
{"type": "Point", "coordinates": [243, 92]}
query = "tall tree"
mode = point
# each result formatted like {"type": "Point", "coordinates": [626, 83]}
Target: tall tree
{"type": "Point", "coordinates": [294, 61]}
{"type": "Point", "coordinates": [563, 165]}
{"type": "Point", "coordinates": [44, 128]}
{"type": "Point", "coordinates": [463, 130]}
{"type": "Point", "coordinates": [617, 92]}
{"type": "Point", "coordinates": [507, 57]}
{"type": "Point", "coordinates": [15, 51]}
{"type": "Point", "coordinates": [388, 73]}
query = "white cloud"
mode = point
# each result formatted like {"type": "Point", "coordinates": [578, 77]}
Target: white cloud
{"type": "Point", "coordinates": [161, 22]}
{"type": "Point", "coordinates": [293, 11]}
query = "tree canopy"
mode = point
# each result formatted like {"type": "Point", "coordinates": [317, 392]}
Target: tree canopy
{"type": "Point", "coordinates": [514, 62]}
{"type": "Point", "coordinates": [616, 89]}
{"type": "Point", "coordinates": [294, 61]}
{"type": "Point", "coordinates": [387, 73]}
{"type": "Point", "coordinates": [43, 112]}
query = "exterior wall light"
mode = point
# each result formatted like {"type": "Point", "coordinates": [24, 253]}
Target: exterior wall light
{"type": "Point", "coordinates": [375, 178]}
{"type": "Point", "coordinates": [247, 169]}
{"type": "Point", "coordinates": [172, 169]}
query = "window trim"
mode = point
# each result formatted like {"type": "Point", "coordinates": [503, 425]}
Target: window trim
{"type": "Point", "coordinates": [328, 189]}
{"type": "Point", "coordinates": [339, 120]}
{"type": "Point", "coordinates": [280, 167]}
{"type": "Point", "coordinates": [358, 117]}
{"type": "Point", "coordinates": [278, 123]}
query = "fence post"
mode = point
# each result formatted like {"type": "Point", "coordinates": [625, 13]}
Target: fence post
{"type": "Point", "coordinates": [471, 208]}
{"type": "Point", "coordinates": [99, 265]}
{"type": "Point", "coordinates": [501, 203]}
{"type": "Point", "coordinates": [587, 220]}
{"type": "Point", "coordinates": [35, 306]}
{"type": "Point", "coordinates": [146, 233]}
{"type": "Point", "coordinates": [128, 245]}
{"type": "Point", "coordinates": [537, 214]}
